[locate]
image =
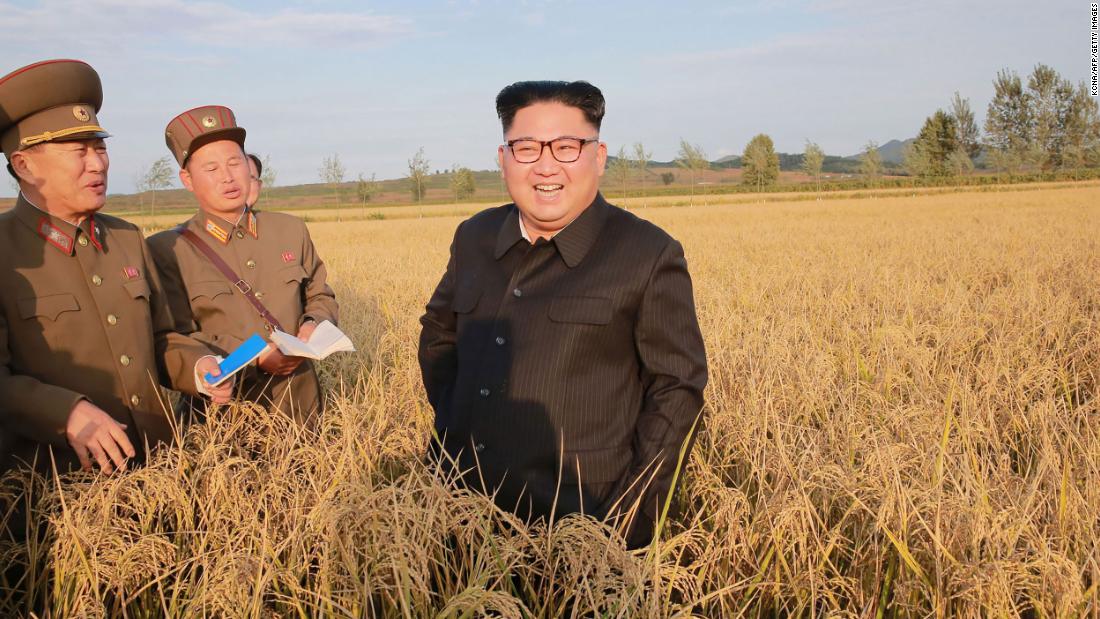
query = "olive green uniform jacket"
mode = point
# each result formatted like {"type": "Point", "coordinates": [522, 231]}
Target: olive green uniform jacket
{"type": "Point", "coordinates": [274, 255]}
{"type": "Point", "coordinates": [82, 316]}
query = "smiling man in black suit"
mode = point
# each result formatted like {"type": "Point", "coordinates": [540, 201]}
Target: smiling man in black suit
{"type": "Point", "coordinates": [561, 350]}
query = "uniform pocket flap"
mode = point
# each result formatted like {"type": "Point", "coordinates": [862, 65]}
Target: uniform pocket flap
{"type": "Point", "coordinates": [466, 299]}
{"type": "Point", "coordinates": [50, 306]}
{"type": "Point", "coordinates": [138, 288]}
{"type": "Point", "coordinates": [584, 310]}
{"type": "Point", "coordinates": [293, 273]}
{"type": "Point", "coordinates": [221, 343]}
{"type": "Point", "coordinates": [208, 289]}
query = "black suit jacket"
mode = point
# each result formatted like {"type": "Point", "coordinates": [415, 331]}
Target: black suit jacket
{"type": "Point", "coordinates": [562, 371]}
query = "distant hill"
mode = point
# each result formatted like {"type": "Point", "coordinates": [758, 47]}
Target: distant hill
{"type": "Point", "coordinates": [891, 152]}
{"type": "Point", "coordinates": [789, 162]}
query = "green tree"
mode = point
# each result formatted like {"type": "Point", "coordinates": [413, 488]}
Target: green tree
{"type": "Point", "coordinates": [915, 161]}
{"type": "Point", "coordinates": [1050, 99]}
{"type": "Point", "coordinates": [812, 160]}
{"type": "Point", "coordinates": [332, 173]}
{"type": "Point", "coordinates": [935, 144]}
{"type": "Point", "coordinates": [158, 176]}
{"type": "Point", "coordinates": [462, 183]}
{"type": "Point", "coordinates": [760, 162]}
{"type": "Point", "coordinates": [1008, 122]}
{"type": "Point", "coordinates": [966, 129]}
{"type": "Point", "coordinates": [418, 172]}
{"type": "Point", "coordinates": [693, 159]}
{"type": "Point", "coordinates": [267, 177]}
{"type": "Point", "coordinates": [959, 163]}
{"type": "Point", "coordinates": [619, 168]}
{"type": "Point", "coordinates": [641, 162]}
{"type": "Point", "coordinates": [1082, 148]}
{"type": "Point", "coordinates": [667, 178]}
{"type": "Point", "coordinates": [870, 161]}
{"type": "Point", "coordinates": [366, 188]}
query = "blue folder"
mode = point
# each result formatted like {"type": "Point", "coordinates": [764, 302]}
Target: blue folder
{"type": "Point", "coordinates": [239, 358]}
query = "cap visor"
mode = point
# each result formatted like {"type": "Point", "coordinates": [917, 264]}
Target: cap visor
{"type": "Point", "coordinates": [235, 134]}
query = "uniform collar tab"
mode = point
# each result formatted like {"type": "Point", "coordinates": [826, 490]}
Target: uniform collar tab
{"type": "Point", "coordinates": [52, 229]}
{"type": "Point", "coordinates": [214, 229]}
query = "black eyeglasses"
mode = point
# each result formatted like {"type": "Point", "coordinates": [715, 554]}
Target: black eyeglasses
{"type": "Point", "coordinates": [564, 150]}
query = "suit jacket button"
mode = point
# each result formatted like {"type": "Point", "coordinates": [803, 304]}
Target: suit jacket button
{"type": "Point", "coordinates": [484, 392]}
{"type": "Point", "coordinates": [135, 400]}
{"type": "Point", "coordinates": [250, 264]}
{"type": "Point", "coordinates": [97, 280]}
{"type": "Point", "coordinates": [112, 319]}
{"type": "Point", "coordinates": [517, 292]}
{"type": "Point", "coordinates": [480, 447]}
{"type": "Point", "coordinates": [259, 295]}
{"type": "Point", "coordinates": [240, 235]}
{"type": "Point", "coordinates": [500, 341]}
{"type": "Point", "coordinates": [83, 241]}
{"type": "Point", "coordinates": [124, 360]}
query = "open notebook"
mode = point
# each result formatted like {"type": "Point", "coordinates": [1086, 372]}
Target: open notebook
{"type": "Point", "coordinates": [327, 338]}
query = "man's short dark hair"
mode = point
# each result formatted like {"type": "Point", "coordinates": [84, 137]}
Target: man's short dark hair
{"type": "Point", "coordinates": [259, 166]}
{"type": "Point", "coordinates": [581, 95]}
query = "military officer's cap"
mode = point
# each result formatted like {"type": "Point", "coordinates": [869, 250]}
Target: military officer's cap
{"type": "Point", "coordinates": [195, 128]}
{"type": "Point", "coordinates": [49, 101]}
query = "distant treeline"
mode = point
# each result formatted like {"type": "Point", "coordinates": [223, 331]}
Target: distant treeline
{"type": "Point", "coordinates": [1039, 129]}
{"type": "Point", "coordinates": [857, 183]}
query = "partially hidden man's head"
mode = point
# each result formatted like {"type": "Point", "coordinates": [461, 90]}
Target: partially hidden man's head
{"type": "Point", "coordinates": [51, 137]}
{"type": "Point", "coordinates": [255, 173]}
{"type": "Point", "coordinates": [209, 146]}
{"type": "Point", "coordinates": [551, 159]}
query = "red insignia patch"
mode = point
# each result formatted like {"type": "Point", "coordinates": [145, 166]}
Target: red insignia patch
{"type": "Point", "coordinates": [56, 237]}
{"type": "Point", "coordinates": [131, 272]}
{"type": "Point", "coordinates": [288, 256]}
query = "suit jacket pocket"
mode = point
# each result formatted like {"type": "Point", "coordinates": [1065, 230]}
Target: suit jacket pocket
{"type": "Point", "coordinates": [208, 289]}
{"type": "Point", "coordinates": [583, 310]}
{"type": "Point", "coordinates": [138, 288]}
{"type": "Point", "coordinates": [50, 306]}
{"type": "Point", "coordinates": [466, 299]}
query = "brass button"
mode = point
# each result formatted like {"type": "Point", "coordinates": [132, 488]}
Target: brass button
{"type": "Point", "coordinates": [124, 360]}
{"type": "Point", "coordinates": [83, 241]}
{"type": "Point", "coordinates": [112, 319]}
{"type": "Point", "coordinates": [135, 400]}
{"type": "Point", "coordinates": [97, 280]}
{"type": "Point", "coordinates": [259, 295]}
{"type": "Point", "coordinates": [250, 264]}
{"type": "Point", "coordinates": [240, 235]}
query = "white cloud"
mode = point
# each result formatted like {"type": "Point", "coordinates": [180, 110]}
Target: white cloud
{"type": "Point", "coordinates": [109, 23]}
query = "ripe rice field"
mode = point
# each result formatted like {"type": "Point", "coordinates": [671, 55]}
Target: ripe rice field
{"type": "Point", "coordinates": [902, 420]}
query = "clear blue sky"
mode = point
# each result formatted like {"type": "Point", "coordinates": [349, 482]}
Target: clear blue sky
{"type": "Point", "coordinates": [373, 81]}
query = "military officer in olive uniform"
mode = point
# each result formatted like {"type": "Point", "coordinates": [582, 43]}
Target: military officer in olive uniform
{"type": "Point", "coordinates": [231, 271]}
{"type": "Point", "coordinates": [85, 334]}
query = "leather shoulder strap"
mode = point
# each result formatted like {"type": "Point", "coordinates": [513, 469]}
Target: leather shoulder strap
{"type": "Point", "coordinates": [242, 286]}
